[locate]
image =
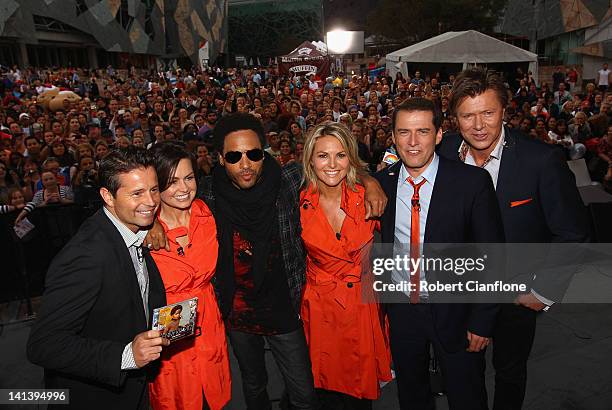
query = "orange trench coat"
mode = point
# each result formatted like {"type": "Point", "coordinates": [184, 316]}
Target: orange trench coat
{"type": "Point", "coordinates": [197, 364]}
{"type": "Point", "coordinates": [347, 340]}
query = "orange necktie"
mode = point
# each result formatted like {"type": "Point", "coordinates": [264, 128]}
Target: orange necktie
{"type": "Point", "coordinates": [415, 239]}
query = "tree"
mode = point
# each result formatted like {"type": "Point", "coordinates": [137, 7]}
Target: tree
{"type": "Point", "coordinates": [417, 20]}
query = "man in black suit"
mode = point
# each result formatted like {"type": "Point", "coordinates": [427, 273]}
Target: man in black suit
{"type": "Point", "coordinates": [539, 203]}
{"type": "Point", "coordinates": [449, 210]}
{"type": "Point", "coordinates": [91, 334]}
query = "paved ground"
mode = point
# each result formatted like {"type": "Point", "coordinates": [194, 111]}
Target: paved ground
{"type": "Point", "coordinates": [570, 366]}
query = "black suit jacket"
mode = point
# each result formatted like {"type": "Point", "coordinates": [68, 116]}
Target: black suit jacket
{"type": "Point", "coordinates": [463, 209]}
{"type": "Point", "coordinates": [91, 309]}
{"type": "Point", "coordinates": [535, 178]}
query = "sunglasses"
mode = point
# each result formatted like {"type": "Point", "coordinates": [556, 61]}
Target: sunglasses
{"type": "Point", "coordinates": [255, 155]}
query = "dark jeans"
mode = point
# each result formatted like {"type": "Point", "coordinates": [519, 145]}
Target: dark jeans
{"type": "Point", "coordinates": [291, 355]}
{"type": "Point", "coordinates": [512, 340]}
{"type": "Point", "coordinates": [412, 331]}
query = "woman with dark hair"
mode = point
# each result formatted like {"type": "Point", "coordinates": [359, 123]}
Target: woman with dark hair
{"type": "Point", "coordinates": [59, 151]}
{"type": "Point", "coordinates": [399, 79]}
{"type": "Point", "coordinates": [297, 133]}
{"type": "Point", "coordinates": [204, 160]}
{"type": "Point", "coordinates": [15, 201]}
{"type": "Point", "coordinates": [194, 373]}
{"type": "Point", "coordinates": [286, 153]}
{"type": "Point", "coordinates": [560, 134]}
{"type": "Point", "coordinates": [175, 320]}
{"type": "Point", "coordinates": [168, 110]}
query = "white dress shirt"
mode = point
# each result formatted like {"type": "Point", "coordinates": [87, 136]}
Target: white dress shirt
{"type": "Point", "coordinates": [133, 241]}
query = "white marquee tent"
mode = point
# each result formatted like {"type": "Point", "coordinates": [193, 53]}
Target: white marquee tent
{"type": "Point", "coordinates": [463, 47]}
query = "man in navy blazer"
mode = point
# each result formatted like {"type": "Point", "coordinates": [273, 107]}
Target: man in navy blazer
{"type": "Point", "coordinates": [539, 203]}
{"type": "Point", "coordinates": [91, 334]}
{"type": "Point", "coordinates": [456, 204]}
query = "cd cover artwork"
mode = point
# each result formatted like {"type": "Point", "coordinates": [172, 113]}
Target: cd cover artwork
{"type": "Point", "coordinates": [176, 321]}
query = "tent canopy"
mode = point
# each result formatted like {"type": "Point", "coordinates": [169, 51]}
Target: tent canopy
{"type": "Point", "coordinates": [304, 52]}
{"type": "Point", "coordinates": [462, 47]}
{"type": "Point", "coordinates": [306, 58]}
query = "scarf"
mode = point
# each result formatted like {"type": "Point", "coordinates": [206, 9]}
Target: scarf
{"type": "Point", "coordinates": [253, 213]}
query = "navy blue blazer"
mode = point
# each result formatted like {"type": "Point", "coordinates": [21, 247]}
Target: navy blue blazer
{"type": "Point", "coordinates": [463, 209]}
{"type": "Point", "coordinates": [539, 202]}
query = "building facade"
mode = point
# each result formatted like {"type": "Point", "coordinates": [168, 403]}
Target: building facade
{"type": "Point", "coordinates": [95, 33]}
{"type": "Point", "coordinates": [266, 29]}
{"type": "Point", "coordinates": [563, 32]}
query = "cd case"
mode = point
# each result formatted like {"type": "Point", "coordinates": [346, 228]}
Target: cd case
{"type": "Point", "coordinates": [176, 321]}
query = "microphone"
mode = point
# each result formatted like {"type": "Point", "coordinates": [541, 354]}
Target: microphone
{"type": "Point", "coordinates": [338, 235]}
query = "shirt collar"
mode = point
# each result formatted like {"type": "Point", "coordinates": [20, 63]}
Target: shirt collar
{"type": "Point", "coordinates": [429, 174]}
{"type": "Point", "coordinates": [464, 148]}
{"type": "Point", "coordinates": [130, 238]}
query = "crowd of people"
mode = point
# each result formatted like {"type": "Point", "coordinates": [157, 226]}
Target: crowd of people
{"type": "Point", "coordinates": [261, 184]}
{"type": "Point", "coordinates": [121, 108]}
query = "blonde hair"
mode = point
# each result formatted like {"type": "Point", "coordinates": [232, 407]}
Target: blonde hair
{"type": "Point", "coordinates": [349, 145]}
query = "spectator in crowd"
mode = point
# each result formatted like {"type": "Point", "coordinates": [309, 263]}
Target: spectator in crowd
{"type": "Point", "coordinates": [580, 129]}
{"type": "Point", "coordinates": [559, 134]}
{"type": "Point", "coordinates": [604, 151]}
{"type": "Point", "coordinates": [286, 153]}
{"type": "Point", "coordinates": [51, 193]}
{"type": "Point", "coordinates": [603, 78]}
{"type": "Point", "coordinates": [101, 149]}
{"type": "Point", "coordinates": [5, 183]}
{"type": "Point", "coordinates": [273, 144]}
{"type": "Point", "coordinates": [15, 201]}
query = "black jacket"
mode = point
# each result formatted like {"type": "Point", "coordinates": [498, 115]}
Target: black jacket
{"type": "Point", "coordinates": [536, 176]}
{"type": "Point", "coordinates": [91, 309]}
{"type": "Point", "coordinates": [463, 209]}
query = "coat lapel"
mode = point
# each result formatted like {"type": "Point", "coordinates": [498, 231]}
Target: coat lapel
{"type": "Point", "coordinates": [437, 204]}
{"type": "Point", "coordinates": [127, 273]}
{"type": "Point", "coordinates": [389, 185]}
{"type": "Point", "coordinates": [507, 168]}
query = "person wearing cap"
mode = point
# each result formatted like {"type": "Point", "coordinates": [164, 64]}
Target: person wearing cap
{"type": "Point", "coordinates": [24, 122]}
{"type": "Point", "coordinates": [274, 144]}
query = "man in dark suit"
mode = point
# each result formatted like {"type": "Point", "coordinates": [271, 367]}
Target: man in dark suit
{"type": "Point", "coordinates": [539, 203]}
{"type": "Point", "coordinates": [91, 334]}
{"type": "Point", "coordinates": [421, 188]}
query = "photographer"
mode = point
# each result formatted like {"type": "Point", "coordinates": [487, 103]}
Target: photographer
{"type": "Point", "coordinates": [85, 183]}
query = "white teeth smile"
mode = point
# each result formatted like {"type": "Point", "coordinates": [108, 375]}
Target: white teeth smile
{"type": "Point", "coordinates": [181, 197]}
{"type": "Point", "coordinates": [147, 213]}
{"type": "Point", "coordinates": [413, 151]}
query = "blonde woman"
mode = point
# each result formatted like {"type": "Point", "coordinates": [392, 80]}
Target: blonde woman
{"type": "Point", "coordinates": [347, 341]}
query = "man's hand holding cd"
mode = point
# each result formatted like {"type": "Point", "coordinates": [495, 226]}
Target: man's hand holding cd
{"type": "Point", "coordinates": [147, 346]}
